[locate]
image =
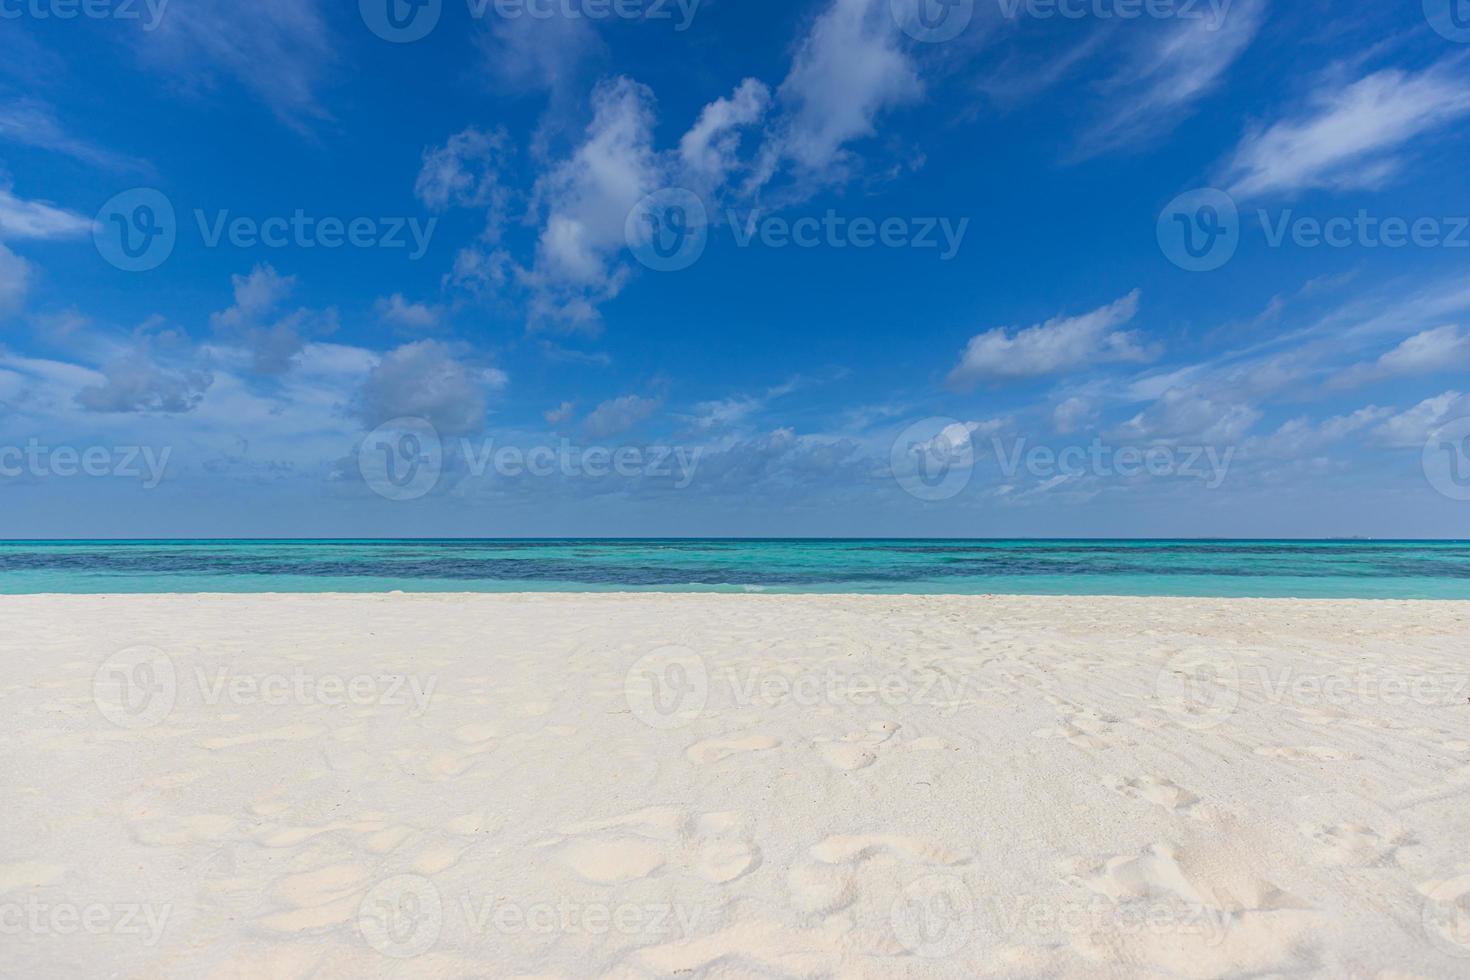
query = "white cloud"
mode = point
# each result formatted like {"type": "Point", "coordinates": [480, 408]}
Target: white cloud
{"type": "Point", "coordinates": [272, 342]}
{"type": "Point", "coordinates": [848, 69]}
{"type": "Point", "coordinates": [424, 380]}
{"type": "Point", "coordinates": [15, 279]}
{"type": "Point", "coordinates": [539, 53]}
{"type": "Point", "coordinates": [587, 199]}
{"type": "Point", "coordinates": [618, 415]}
{"type": "Point", "coordinates": [561, 414]}
{"type": "Point", "coordinates": [1193, 415]}
{"type": "Point", "coordinates": [1350, 135]}
{"type": "Point", "coordinates": [709, 150]}
{"type": "Point", "coordinates": [1059, 344]}
{"type": "Point", "coordinates": [277, 49]}
{"type": "Point", "coordinates": [1072, 415]}
{"type": "Point", "coordinates": [21, 219]}
{"type": "Point", "coordinates": [462, 173]}
{"type": "Point", "coordinates": [1164, 77]}
{"type": "Point", "coordinates": [30, 122]}
{"type": "Point", "coordinates": [1444, 348]}
{"type": "Point", "coordinates": [397, 310]}
{"type": "Point", "coordinates": [1300, 437]}
{"type": "Point", "coordinates": [1412, 428]}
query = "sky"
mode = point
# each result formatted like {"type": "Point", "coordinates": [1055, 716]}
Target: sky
{"type": "Point", "coordinates": [956, 268]}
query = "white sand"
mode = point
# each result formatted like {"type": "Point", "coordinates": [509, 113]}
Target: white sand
{"type": "Point", "coordinates": [733, 786]}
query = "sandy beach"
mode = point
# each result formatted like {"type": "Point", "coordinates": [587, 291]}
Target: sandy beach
{"type": "Point", "coordinates": [733, 786]}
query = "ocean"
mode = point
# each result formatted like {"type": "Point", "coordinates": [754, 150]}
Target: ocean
{"type": "Point", "coordinates": [1272, 569]}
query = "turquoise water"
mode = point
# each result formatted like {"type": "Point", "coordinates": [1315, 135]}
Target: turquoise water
{"type": "Point", "coordinates": [1301, 569]}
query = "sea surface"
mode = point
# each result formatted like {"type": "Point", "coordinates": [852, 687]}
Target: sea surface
{"type": "Point", "coordinates": [1297, 569]}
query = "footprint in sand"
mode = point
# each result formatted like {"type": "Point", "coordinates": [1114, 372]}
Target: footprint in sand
{"type": "Point", "coordinates": [713, 846]}
{"type": "Point", "coordinates": [1309, 753]}
{"type": "Point", "coordinates": [1157, 789]}
{"type": "Point", "coordinates": [835, 872]}
{"type": "Point", "coordinates": [1351, 845]}
{"type": "Point", "coordinates": [858, 750]}
{"type": "Point", "coordinates": [713, 750]}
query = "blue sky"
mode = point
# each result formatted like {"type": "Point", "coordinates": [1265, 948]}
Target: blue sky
{"type": "Point", "coordinates": [843, 267]}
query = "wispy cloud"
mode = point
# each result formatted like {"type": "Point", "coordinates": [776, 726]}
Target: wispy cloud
{"type": "Point", "coordinates": [1060, 344]}
{"type": "Point", "coordinates": [1165, 75]}
{"type": "Point", "coordinates": [1350, 135]}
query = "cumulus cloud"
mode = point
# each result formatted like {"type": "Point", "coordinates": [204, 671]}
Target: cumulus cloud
{"type": "Point", "coordinates": [618, 415]}
{"type": "Point", "coordinates": [273, 342]}
{"type": "Point", "coordinates": [157, 373]}
{"type": "Point", "coordinates": [463, 172]}
{"type": "Point", "coordinates": [848, 70]}
{"type": "Point", "coordinates": [586, 201]}
{"type": "Point", "coordinates": [561, 414]}
{"type": "Point", "coordinates": [1193, 414]}
{"type": "Point", "coordinates": [399, 311]}
{"type": "Point", "coordinates": [424, 380]}
{"type": "Point", "coordinates": [1059, 344]}
{"type": "Point", "coordinates": [1351, 135]}
{"type": "Point", "coordinates": [1072, 415]}
{"type": "Point", "coordinates": [710, 149]}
